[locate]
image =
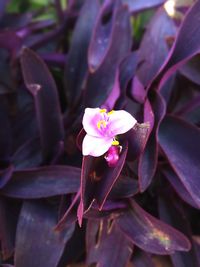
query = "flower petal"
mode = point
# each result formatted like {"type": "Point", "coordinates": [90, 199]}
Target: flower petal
{"type": "Point", "coordinates": [90, 120]}
{"type": "Point", "coordinates": [95, 146]}
{"type": "Point", "coordinates": [121, 122]}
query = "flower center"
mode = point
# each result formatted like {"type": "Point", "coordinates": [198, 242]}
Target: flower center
{"type": "Point", "coordinates": [101, 124]}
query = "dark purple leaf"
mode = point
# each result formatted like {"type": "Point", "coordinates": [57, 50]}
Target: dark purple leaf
{"type": "Point", "coordinates": [151, 234]}
{"type": "Point", "coordinates": [186, 45]}
{"type": "Point", "coordinates": [41, 84]}
{"type": "Point", "coordinates": [70, 215]}
{"type": "Point", "coordinates": [123, 188]}
{"type": "Point", "coordinates": [174, 215]}
{"type": "Point", "coordinates": [15, 21]}
{"type": "Point", "coordinates": [24, 123]}
{"type": "Point", "coordinates": [137, 90]}
{"type": "Point", "coordinates": [43, 182]}
{"type": "Point", "coordinates": [110, 205]}
{"type": "Point", "coordinates": [5, 73]}
{"type": "Point", "coordinates": [142, 259]}
{"type": "Point", "coordinates": [148, 114]}
{"type": "Point", "coordinates": [140, 5]}
{"type": "Point", "coordinates": [97, 180]}
{"type": "Point", "coordinates": [137, 138]}
{"type": "Point", "coordinates": [109, 239]}
{"type": "Point", "coordinates": [54, 59]}
{"type": "Point", "coordinates": [114, 94]}
{"type": "Point", "coordinates": [127, 69]}
{"type": "Point", "coordinates": [179, 187]}
{"type": "Point", "coordinates": [70, 254]}
{"type": "Point", "coordinates": [93, 214]}
{"type": "Point", "coordinates": [190, 69]}
{"type": "Point", "coordinates": [125, 72]}
{"type": "Point", "coordinates": [77, 66]}
{"type": "Point", "coordinates": [148, 159]}
{"type": "Point", "coordinates": [8, 212]}
{"type": "Point", "coordinates": [29, 155]}
{"type": "Point", "coordinates": [45, 245]}
{"type": "Point", "coordinates": [5, 133]}
{"type": "Point", "coordinates": [10, 41]}
{"type": "Point", "coordinates": [180, 143]}
{"type": "Point", "coordinates": [154, 39]}
{"type": "Point", "coordinates": [101, 37]}
{"type": "Point", "coordinates": [101, 82]}
{"type": "Point", "coordinates": [5, 175]}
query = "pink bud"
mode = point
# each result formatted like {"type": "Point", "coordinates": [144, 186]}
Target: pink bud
{"type": "Point", "coordinates": [112, 155]}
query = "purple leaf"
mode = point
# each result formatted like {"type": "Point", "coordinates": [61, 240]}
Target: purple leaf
{"type": "Point", "coordinates": [16, 21]}
{"type": "Point", "coordinates": [177, 217]}
{"type": "Point", "coordinates": [40, 83]}
{"type": "Point", "coordinates": [45, 245]}
{"type": "Point", "coordinates": [5, 175]}
{"type": "Point", "coordinates": [7, 227]}
{"type": "Point", "coordinates": [10, 41]}
{"type": "Point", "coordinates": [43, 182]}
{"type": "Point", "coordinates": [151, 234]}
{"type": "Point", "coordinates": [186, 45]}
{"type": "Point", "coordinates": [142, 259]}
{"type": "Point", "coordinates": [101, 82]}
{"type": "Point", "coordinates": [109, 205]}
{"type": "Point", "coordinates": [124, 187]}
{"type": "Point", "coordinates": [140, 5]}
{"type": "Point", "coordinates": [114, 94]}
{"type": "Point", "coordinates": [179, 187]}
{"type": "Point", "coordinates": [28, 155]}
{"type": "Point", "coordinates": [54, 59]}
{"type": "Point", "coordinates": [137, 90]}
{"type": "Point", "coordinates": [5, 133]}
{"type": "Point", "coordinates": [97, 180]}
{"type": "Point", "coordinates": [180, 143]}
{"type": "Point", "coordinates": [5, 73]}
{"type": "Point", "coordinates": [70, 215]}
{"type": "Point", "coordinates": [109, 238]}
{"type": "Point", "coordinates": [125, 72]}
{"type": "Point", "coordinates": [154, 39]}
{"type": "Point", "coordinates": [137, 138]}
{"type": "Point", "coordinates": [76, 66]}
{"type": "Point", "coordinates": [102, 36]}
{"type": "Point", "coordinates": [190, 69]}
{"type": "Point", "coordinates": [127, 69]}
{"type": "Point", "coordinates": [148, 159]}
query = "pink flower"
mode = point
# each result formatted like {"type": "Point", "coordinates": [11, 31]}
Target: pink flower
{"type": "Point", "coordinates": [102, 127]}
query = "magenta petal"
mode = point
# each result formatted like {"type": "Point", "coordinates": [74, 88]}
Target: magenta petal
{"type": "Point", "coordinates": [121, 122]}
{"type": "Point", "coordinates": [90, 120]}
{"type": "Point", "coordinates": [95, 146]}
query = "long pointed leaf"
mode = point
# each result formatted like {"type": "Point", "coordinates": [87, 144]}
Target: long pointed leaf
{"type": "Point", "coordinates": [41, 84]}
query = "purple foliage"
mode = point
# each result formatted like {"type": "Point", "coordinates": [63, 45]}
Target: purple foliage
{"type": "Point", "coordinates": [141, 198]}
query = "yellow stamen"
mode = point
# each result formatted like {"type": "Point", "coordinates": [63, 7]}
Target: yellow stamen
{"type": "Point", "coordinates": [102, 110]}
{"type": "Point", "coordinates": [115, 143]}
{"type": "Point", "coordinates": [111, 112]}
{"type": "Point", "coordinates": [101, 122]}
